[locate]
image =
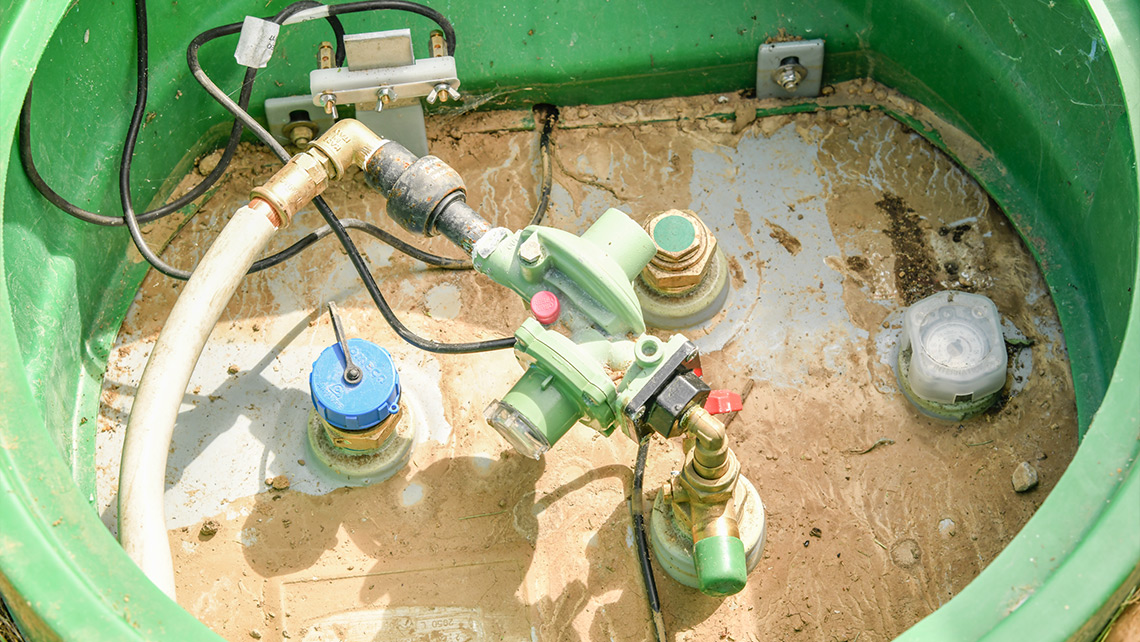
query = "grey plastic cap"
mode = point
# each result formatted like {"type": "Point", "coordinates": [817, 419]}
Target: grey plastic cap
{"type": "Point", "coordinates": [957, 349]}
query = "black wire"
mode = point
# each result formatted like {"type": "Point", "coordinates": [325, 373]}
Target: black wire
{"type": "Point", "coordinates": [637, 510]}
{"type": "Point", "coordinates": [337, 227]}
{"type": "Point", "coordinates": [26, 158]}
{"type": "Point", "coordinates": [549, 114]}
{"type": "Point", "coordinates": [142, 86]}
{"type": "Point", "coordinates": [372, 230]}
{"type": "Point", "coordinates": [401, 5]}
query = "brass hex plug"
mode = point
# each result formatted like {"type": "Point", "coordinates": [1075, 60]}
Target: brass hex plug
{"type": "Point", "coordinates": [686, 251]}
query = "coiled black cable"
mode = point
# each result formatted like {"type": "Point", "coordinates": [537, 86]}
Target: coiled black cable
{"type": "Point", "coordinates": [28, 161]}
{"type": "Point", "coordinates": [331, 219]}
{"type": "Point", "coordinates": [37, 180]}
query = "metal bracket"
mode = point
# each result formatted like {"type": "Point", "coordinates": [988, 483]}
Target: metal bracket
{"type": "Point", "coordinates": [792, 69]}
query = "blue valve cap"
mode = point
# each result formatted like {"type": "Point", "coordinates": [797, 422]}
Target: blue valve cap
{"type": "Point", "coordinates": [364, 404]}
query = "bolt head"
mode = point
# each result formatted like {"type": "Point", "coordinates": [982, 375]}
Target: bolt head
{"type": "Point", "coordinates": [789, 76]}
{"type": "Point", "coordinates": [530, 251]}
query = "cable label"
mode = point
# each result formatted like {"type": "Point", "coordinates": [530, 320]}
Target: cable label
{"type": "Point", "coordinates": [255, 46]}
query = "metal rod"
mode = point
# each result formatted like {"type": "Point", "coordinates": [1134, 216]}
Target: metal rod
{"type": "Point", "coordinates": [352, 373]}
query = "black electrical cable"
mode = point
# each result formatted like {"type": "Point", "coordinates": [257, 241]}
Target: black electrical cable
{"type": "Point", "coordinates": [549, 114]}
{"type": "Point", "coordinates": [637, 509]}
{"type": "Point", "coordinates": [26, 158]}
{"type": "Point", "coordinates": [372, 230]}
{"type": "Point", "coordinates": [142, 86]}
{"type": "Point", "coordinates": [337, 227]}
{"type": "Point", "coordinates": [25, 151]}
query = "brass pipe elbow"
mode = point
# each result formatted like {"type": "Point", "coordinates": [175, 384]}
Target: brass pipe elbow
{"type": "Point", "coordinates": [710, 452]}
{"type": "Point", "coordinates": [348, 142]}
{"type": "Point", "coordinates": [307, 174]}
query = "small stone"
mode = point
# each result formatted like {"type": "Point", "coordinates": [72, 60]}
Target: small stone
{"type": "Point", "coordinates": [280, 482]}
{"type": "Point", "coordinates": [1024, 477]}
{"type": "Point", "coordinates": [233, 370]}
{"type": "Point", "coordinates": [827, 90]}
{"type": "Point", "coordinates": [209, 529]}
{"type": "Point", "coordinates": [301, 462]}
{"type": "Point", "coordinates": [947, 527]}
{"type": "Point", "coordinates": [207, 163]}
{"type": "Point", "coordinates": [255, 634]}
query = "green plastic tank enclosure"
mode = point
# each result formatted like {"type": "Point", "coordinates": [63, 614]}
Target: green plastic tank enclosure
{"type": "Point", "coordinates": [1050, 92]}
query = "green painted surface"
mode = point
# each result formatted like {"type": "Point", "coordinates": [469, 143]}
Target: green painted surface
{"type": "Point", "coordinates": [1050, 89]}
{"type": "Point", "coordinates": [674, 233]}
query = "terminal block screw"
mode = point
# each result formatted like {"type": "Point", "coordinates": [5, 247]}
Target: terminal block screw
{"type": "Point", "coordinates": [384, 96]}
{"type": "Point", "coordinates": [329, 102]}
{"type": "Point", "coordinates": [443, 92]}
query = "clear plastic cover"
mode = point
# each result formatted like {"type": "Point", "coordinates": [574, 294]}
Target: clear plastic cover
{"type": "Point", "coordinates": [515, 428]}
{"type": "Point", "coordinates": [957, 349]}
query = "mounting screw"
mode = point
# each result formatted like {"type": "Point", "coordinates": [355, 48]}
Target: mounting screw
{"type": "Point", "coordinates": [329, 102]}
{"type": "Point", "coordinates": [530, 251]}
{"type": "Point", "coordinates": [443, 92]}
{"type": "Point", "coordinates": [384, 96]}
{"type": "Point", "coordinates": [300, 132]}
{"type": "Point", "coordinates": [789, 74]}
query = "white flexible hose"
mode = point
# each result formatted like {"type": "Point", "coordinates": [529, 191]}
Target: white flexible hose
{"type": "Point", "coordinates": [150, 430]}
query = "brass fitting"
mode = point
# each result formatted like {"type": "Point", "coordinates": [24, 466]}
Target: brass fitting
{"type": "Point", "coordinates": [437, 45]}
{"type": "Point", "coordinates": [307, 174]}
{"type": "Point", "coordinates": [703, 494]}
{"type": "Point", "coordinates": [678, 267]}
{"type": "Point", "coordinates": [325, 55]}
{"type": "Point", "coordinates": [348, 142]}
{"type": "Point", "coordinates": [370, 439]}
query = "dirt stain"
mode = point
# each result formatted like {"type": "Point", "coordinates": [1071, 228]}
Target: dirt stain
{"type": "Point", "coordinates": [790, 243]}
{"type": "Point", "coordinates": [915, 266]}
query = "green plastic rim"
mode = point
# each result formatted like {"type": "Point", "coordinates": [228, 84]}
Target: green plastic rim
{"type": "Point", "coordinates": [1051, 91]}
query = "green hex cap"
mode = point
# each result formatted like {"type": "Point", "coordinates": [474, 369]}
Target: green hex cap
{"type": "Point", "coordinates": [721, 569]}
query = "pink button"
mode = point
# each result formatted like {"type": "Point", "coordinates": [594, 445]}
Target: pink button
{"type": "Point", "coordinates": [545, 307]}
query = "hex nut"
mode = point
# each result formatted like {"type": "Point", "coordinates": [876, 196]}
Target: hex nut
{"type": "Point", "coordinates": [674, 400]}
{"type": "Point", "coordinates": [677, 271]}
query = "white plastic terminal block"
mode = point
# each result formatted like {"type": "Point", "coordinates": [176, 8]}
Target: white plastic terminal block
{"type": "Point", "coordinates": [957, 348]}
{"type": "Point", "coordinates": [361, 86]}
{"type": "Point", "coordinates": [379, 49]}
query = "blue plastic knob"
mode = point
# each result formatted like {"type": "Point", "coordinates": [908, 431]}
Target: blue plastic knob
{"type": "Point", "coordinates": [361, 405]}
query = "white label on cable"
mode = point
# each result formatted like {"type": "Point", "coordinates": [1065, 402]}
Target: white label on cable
{"type": "Point", "coordinates": [255, 46]}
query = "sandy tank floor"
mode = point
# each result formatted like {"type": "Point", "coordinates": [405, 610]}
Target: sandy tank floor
{"type": "Point", "coordinates": [832, 221]}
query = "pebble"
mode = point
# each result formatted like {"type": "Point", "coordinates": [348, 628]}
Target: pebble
{"type": "Point", "coordinates": [947, 527]}
{"type": "Point", "coordinates": [208, 162]}
{"type": "Point", "coordinates": [209, 529]}
{"type": "Point", "coordinates": [280, 482]}
{"type": "Point", "coordinates": [255, 634]}
{"type": "Point", "coordinates": [1024, 477]}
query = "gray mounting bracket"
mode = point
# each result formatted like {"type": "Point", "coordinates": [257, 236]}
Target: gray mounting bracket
{"type": "Point", "coordinates": [792, 69]}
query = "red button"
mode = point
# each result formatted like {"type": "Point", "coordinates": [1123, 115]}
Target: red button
{"type": "Point", "coordinates": [545, 307]}
{"type": "Point", "coordinates": [722, 401]}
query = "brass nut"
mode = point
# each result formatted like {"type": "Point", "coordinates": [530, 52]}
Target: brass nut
{"type": "Point", "coordinates": [305, 176]}
{"type": "Point", "coordinates": [677, 270]}
{"type": "Point", "coordinates": [370, 439]}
